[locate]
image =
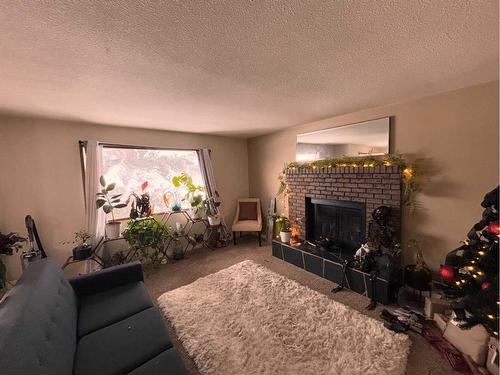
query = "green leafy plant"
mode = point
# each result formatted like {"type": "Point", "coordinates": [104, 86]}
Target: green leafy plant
{"type": "Point", "coordinates": [81, 238]}
{"type": "Point", "coordinates": [9, 244]}
{"type": "Point", "coordinates": [106, 201]}
{"type": "Point", "coordinates": [283, 224]}
{"type": "Point", "coordinates": [147, 238]}
{"type": "Point", "coordinates": [419, 256]}
{"type": "Point", "coordinates": [193, 191]}
{"type": "Point", "coordinates": [211, 204]}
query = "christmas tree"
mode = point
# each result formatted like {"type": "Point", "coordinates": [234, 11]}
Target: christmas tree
{"type": "Point", "coordinates": [471, 271]}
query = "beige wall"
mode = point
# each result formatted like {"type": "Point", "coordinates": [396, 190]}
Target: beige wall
{"type": "Point", "coordinates": [455, 133]}
{"type": "Point", "coordinates": [456, 136]}
{"type": "Point", "coordinates": [41, 175]}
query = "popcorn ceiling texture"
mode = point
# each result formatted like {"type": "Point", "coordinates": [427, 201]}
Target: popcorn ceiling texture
{"type": "Point", "coordinates": [247, 320]}
{"type": "Point", "coordinates": [236, 67]}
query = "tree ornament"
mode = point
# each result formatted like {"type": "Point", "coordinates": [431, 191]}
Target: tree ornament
{"type": "Point", "coordinates": [485, 285]}
{"type": "Point", "coordinates": [494, 228]}
{"type": "Point", "coordinates": [447, 273]}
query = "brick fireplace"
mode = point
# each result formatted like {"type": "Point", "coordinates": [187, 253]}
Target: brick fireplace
{"type": "Point", "coordinates": [370, 186]}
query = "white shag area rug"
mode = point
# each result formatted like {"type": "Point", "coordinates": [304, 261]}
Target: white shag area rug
{"type": "Point", "coordinates": [247, 319]}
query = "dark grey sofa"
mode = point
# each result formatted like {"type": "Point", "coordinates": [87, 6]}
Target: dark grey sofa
{"type": "Point", "coordinates": [103, 323]}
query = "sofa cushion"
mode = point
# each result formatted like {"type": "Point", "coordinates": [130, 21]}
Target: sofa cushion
{"type": "Point", "coordinates": [38, 323]}
{"type": "Point", "coordinates": [123, 346]}
{"type": "Point", "coordinates": [105, 308]}
{"type": "Point", "coordinates": [166, 363]}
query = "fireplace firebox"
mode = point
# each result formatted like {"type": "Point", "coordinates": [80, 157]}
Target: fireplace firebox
{"type": "Point", "coordinates": [333, 219]}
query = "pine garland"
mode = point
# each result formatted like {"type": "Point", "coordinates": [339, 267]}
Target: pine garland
{"type": "Point", "coordinates": [408, 172]}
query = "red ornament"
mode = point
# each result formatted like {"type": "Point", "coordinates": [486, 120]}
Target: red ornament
{"type": "Point", "coordinates": [447, 273]}
{"type": "Point", "coordinates": [144, 185]}
{"type": "Point", "coordinates": [494, 228]}
{"type": "Point", "coordinates": [485, 285]}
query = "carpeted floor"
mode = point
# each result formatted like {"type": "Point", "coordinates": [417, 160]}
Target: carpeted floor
{"type": "Point", "coordinates": [423, 359]}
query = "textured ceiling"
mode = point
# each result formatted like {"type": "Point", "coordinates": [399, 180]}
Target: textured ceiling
{"type": "Point", "coordinates": [236, 67]}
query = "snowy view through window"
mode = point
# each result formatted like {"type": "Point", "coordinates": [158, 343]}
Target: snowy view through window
{"type": "Point", "coordinates": [130, 168]}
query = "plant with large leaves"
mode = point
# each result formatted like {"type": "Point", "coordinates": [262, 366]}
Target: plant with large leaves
{"type": "Point", "coordinates": [106, 201]}
{"type": "Point", "coordinates": [194, 192]}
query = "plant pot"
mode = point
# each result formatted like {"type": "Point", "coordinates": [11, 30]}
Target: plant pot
{"type": "Point", "coordinates": [113, 230]}
{"type": "Point", "coordinates": [82, 252]}
{"type": "Point", "coordinates": [285, 237]}
{"type": "Point", "coordinates": [418, 279]}
{"type": "Point", "coordinates": [178, 251]}
{"type": "Point", "coordinates": [214, 220]}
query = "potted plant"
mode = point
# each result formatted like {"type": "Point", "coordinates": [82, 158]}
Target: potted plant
{"type": "Point", "coordinates": [140, 204]}
{"type": "Point", "coordinates": [193, 195]}
{"type": "Point", "coordinates": [9, 244]}
{"type": "Point", "coordinates": [211, 206]}
{"type": "Point", "coordinates": [83, 248]}
{"type": "Point", "coordinates": [109, 203]}
{"type": "Point", "coordinates": [147, 239]}
{"type": "Point", "coordinates": [418, 276]}
{"type": "Point", "coordinates": [285, 229]}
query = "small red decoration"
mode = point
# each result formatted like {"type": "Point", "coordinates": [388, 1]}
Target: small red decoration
{"type": "Point", "coordinates": [485, 285]}
{"type": "Point", "coordinates": [144, 185]}
{"type": "Point", "coordinates": [494, 228]}
{"type": "Point", "coordinates": [447, 273]}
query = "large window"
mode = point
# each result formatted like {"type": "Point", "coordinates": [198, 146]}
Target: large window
{"type": "Point", "coordinates": [131, 168]}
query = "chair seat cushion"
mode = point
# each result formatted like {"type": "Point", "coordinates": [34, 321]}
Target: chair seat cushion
{"type": "Point", "coordinates": [246, 226]}
{"type": "Point", "coordinates": [102, 309]}
{"type": "Point", "coordinates": [167, 363]}
{"type": "Point", "coordinates": [123, 346]}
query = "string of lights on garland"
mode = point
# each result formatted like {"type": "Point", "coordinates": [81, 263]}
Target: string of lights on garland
{"type": "Point", "coordinates": [409, 172]}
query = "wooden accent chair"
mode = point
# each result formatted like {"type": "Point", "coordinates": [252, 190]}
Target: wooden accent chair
{"type": "Point", "coordinates": [248, 217]}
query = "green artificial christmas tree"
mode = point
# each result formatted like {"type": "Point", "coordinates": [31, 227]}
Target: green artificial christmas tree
{"type": "Point", "coordinates": [471, 271]}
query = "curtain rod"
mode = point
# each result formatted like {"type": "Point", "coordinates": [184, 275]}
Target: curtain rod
{"type": "Point", "coordinates": [138, 147]}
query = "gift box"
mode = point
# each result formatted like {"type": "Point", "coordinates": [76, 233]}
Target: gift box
{"type": "Point", "coordinates": [435, 305]}
{"type": "Point", "coordinates": [441, 321]}
{"type": "Point", "coordinates": [473, 342]}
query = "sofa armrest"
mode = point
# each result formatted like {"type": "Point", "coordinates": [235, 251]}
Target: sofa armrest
{"type": "Point", "coordinates": [107, 278]}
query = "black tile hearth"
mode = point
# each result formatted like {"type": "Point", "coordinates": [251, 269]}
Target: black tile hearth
{"type": "Point", "coordinates": [323, 264]}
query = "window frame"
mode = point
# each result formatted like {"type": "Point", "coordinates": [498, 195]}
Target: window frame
{"type": "Point", "coordinates": [82, 145]}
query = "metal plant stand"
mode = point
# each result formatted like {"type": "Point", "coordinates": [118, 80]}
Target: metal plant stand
{"type": "Point", "coordinates": [185, 233]}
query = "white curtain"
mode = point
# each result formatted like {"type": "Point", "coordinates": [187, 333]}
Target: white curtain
{"type": "Point", "coordinates": [95, 219]}
{"type": "Point", "coordinates": [207, 172]}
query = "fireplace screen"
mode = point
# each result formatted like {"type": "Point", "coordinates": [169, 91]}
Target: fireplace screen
{"type": "Point", "coordinates": [336, 220]}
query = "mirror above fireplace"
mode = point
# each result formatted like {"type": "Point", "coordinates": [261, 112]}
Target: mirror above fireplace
{"type": "Point", "coordinates": [360, 139]}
